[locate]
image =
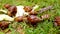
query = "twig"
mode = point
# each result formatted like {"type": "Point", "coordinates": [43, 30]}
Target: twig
{"type": "Point", "coordinates": [45, 9]}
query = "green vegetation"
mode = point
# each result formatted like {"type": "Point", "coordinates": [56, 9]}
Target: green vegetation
{"type": "Point", "coordinates": [45, 27]}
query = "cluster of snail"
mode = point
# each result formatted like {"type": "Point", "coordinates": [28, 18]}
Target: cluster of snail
{"type": "Point", "coordinates": [31, 18]}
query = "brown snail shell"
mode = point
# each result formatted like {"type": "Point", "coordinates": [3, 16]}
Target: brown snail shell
{"type": "Point", "coordinates": [4, 24]}
{"type": "Point", "coordinates": [7, 6]}
{"type": "Point", "coordinates": [27, 8]}
{"type": "Point", "coordinates": [57, 21]}
{"type": "Point", "coordinates": [12, 11]}
{"type": "Point", "coordinates": [33, 19]}
{"type": "Point", "coordinates": [19, 19]}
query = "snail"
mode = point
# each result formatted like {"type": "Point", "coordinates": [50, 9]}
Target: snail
{"type": "Point", "coordinates": [19, 19]}
{"type": "Point", "coordinates": [33, 19]}
{"type": "Point", "coordinates": [27, 8]}
{"type": "Point", "coordinates": [12, 11]}
{"type": "Point", "coordinates": [7, 6]}
{"type": "Point", "coordinates": [57, 21]}
{"type": "Point", "coordinates": [4, 24]}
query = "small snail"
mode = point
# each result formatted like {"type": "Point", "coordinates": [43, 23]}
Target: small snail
{"type": "Point", "coordinates": [7, 6]}
{"type": "Point", "coordinates": [33, 19]}
{"type": "Point", "coordinates": [57, 21]}
{"type": "Point", "coordinates": [27, 8]}
{"type": "Point", "coordinates": [12, 11]}
{"type": "Point", "coordinates": [19, 19]}
{"type": "Point", "coordinates": [4, 24]}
